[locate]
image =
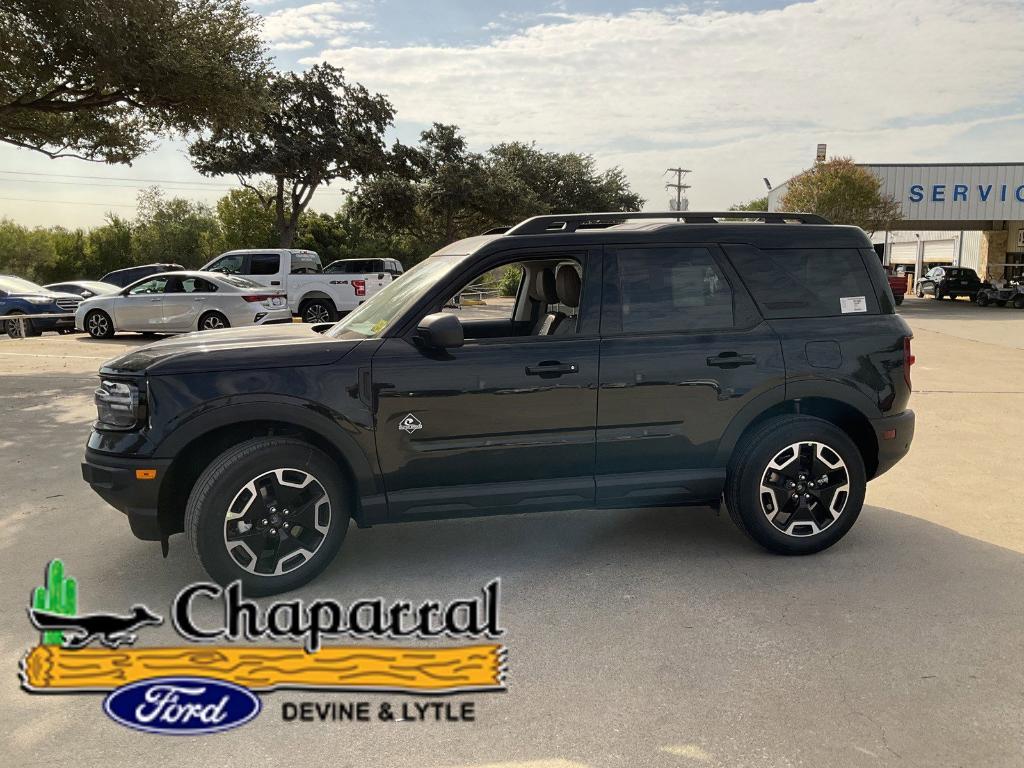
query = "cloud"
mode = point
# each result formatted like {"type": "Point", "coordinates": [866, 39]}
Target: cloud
{"type": "Point", "coordinates": [736, 96]}
{"type": "Point", "coordinates": [316, 20]}
{"type": "Point", "coordinates": [298, 45]}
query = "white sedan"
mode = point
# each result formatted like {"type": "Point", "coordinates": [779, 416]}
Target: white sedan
{"type": "Point", "coordinates": [179, 302]}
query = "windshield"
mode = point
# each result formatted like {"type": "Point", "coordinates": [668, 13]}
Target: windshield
{"type": "Point", "coordinates": [373, 318]}
{"type": "Point", "coordinates": [17, 285]}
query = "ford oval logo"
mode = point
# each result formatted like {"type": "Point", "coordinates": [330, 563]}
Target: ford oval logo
{"type": "Point", "coordinates": [182, 705]}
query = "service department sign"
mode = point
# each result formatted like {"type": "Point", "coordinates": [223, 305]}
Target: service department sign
{"type": "Point", "coordinates": [984, 192]}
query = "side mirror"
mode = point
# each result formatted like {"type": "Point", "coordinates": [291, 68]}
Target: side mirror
{"type": "Point", "coordinates": [440, 331]}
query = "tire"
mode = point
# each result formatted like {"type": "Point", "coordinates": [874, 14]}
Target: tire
{"type": "Point", "coordinates": [318, 311]}
{"type": "Point", "coordinates": [213, 321]}
{"type": "Point", "coordinates": [99, 325]}
{"type": "Point", "coordinates": [981, 300]}
{"type": "Point", "coordinates": [1018, 302]}
{"type": "Point", "coordinates": [276, 465]}
{"type": "Point", "coordinates": [805, 529]}
{"type": "Point", "coordinates": [14, 328]}
{"type": "Point", "coordinates": [898, 299]}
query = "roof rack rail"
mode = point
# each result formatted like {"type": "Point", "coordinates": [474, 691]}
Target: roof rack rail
{"type": "Point", "coordinates": [571, 222]}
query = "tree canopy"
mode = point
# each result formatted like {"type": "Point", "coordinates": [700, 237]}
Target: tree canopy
{"type": "Point", "coordinates": [844, 193]}
{"type": "Point", "coordinates": [440, 190]}
{"type": "Point", "coordinates": [96, 79]}
{"type": "Point", "coordinates": [757, 204]}
{"type": "Point", "coordinates": [318, 128]}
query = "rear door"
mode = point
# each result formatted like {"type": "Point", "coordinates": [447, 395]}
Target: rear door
{"type": "Point", "coordinates": [683, 351]}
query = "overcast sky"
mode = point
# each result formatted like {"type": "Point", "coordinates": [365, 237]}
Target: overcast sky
{"type": "Point", "coordinates": [733, 90]}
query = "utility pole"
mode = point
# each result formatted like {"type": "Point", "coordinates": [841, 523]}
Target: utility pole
{"type": "Point", "coordinates": [681, 203]}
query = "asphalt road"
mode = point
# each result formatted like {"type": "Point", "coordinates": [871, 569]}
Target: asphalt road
{"type": "Point", "coordinates": [640, 638]}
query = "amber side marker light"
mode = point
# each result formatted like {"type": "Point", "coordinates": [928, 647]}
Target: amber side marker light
{"type": "Point", "coordinates": [889, 434]}
{"type": "Point", "coordinates": [145, 474]}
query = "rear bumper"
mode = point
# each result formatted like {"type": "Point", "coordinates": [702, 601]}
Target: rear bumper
{"type": "Point", "coordinates": [894, 435]}
{"type": "Point", "coordinates": [116, 481]}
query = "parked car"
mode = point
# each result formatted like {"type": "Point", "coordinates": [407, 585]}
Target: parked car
{"type": "Point", "coordinates": [897, 284]}
{"type": "Point", "coordinates": [1002, 293]}
{"type": "Point", "coordinates": [949, 282]}
{"type": "Point", "coordinates": [178, 302]}
{"type": "Point", "coordinates": [764, 361]}
{"type": "Point", "coordinates": [314, 296]}
{"type": "Point", "coordinates": [383, 268]}
{"type": "Point", "coordinates": [125, 277]}
{"type": "Point", "coordinates": [23, 297]}
{"type": "Point", "coordinates": [84, 288]}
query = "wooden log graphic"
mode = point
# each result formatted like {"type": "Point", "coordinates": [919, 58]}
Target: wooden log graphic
{"type": "Point", "coordinates": [428, 670]}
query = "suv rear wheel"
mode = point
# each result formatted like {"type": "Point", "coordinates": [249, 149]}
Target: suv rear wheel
{"type": "Point", "coordinates": [271, 512]}
{"type": "Point", "coordinates": [797, 485]}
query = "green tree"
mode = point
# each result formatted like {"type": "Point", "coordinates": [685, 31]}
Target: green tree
{"type": "Point", "coordinates": [245, 220]}
{"type": "Point", "coordinates": [174, 230]}
{"type": "Point", "coordinates": [96, 79]}
{"type": "Point", "coordinates": [319, 128]}
{"type": "Point", "coordinates": [844, 193]}
{"type": "Point", "coordinates": [757, 204]}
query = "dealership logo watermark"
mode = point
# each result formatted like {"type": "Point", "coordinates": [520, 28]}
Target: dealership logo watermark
{"type": "Point", "coordinates": [203, 688]}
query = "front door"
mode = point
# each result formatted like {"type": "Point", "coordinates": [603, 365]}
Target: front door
{"type": "Point", "coordinates": [683, 351]}
{"type": "Point", "coordinates": [501, 424]}
{"type": "Point", "coordinates": [141, 308]}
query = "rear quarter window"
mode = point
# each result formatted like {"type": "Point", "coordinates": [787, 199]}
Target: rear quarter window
{"type": "Point", "coordinates": [807, 282]}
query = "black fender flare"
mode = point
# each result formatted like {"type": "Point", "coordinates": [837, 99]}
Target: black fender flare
{"type": "Point", "coordinates": [790, 392]}
{"type": "Point", "coordinates": [339, 434]}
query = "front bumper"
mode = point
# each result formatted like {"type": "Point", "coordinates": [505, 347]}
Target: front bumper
{"type": "Point", "coordinates": [894, 435]}
{"type": "Point", "coordinates": [129, 485]}
{"type": "Point", "coordinates": [51, 323]}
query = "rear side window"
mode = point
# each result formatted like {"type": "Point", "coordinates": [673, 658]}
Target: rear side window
{"type": "Point", "coordinates": [807, 282]}
{"type": "Point", "coordinates": [264, 264]}
{"type": "Point", "coordinates": [672, 289]}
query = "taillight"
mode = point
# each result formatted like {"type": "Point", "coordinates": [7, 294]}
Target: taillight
{"type": "Point", "coordinates": [253, 298]}
{"type": "Point", "coordinates": [908, 360]}
{"type": "Point", "coordinates": [360, 286]}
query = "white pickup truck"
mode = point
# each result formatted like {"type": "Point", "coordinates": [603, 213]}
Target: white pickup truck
{"type": "Point", "coordinates": [314, 296]}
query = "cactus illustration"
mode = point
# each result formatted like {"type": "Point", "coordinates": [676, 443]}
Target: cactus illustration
{"type": "Point", "coordinates": [58, 595]}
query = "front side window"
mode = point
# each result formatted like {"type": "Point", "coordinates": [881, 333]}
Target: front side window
{"type": "Point", "coordinates": [156, 285]}
{"type": "Point", "coordinates": [229, 265]}
{"type": "Point", "coordinates": [672, 289]}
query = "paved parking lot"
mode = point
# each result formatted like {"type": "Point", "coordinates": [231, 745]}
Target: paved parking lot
{"type": "Point", "coordinates": [644, 638]}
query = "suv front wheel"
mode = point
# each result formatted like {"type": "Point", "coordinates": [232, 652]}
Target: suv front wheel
{"type": "Point", "coordinates": [797, 485]}
{"type": "Point", "coordinates": [271, 512]}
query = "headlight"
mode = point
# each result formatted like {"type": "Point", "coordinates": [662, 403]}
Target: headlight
{"type": "Point", "coordinates": [118, 405]}
{"type": "Point", "coordinates": [38, 300]}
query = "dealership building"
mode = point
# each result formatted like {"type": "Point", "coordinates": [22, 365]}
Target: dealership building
{"type": "Point", "coordinates": [969, 215]}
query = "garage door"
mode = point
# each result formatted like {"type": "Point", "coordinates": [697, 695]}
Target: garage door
{"type": "Point", "coordinates": [903, 253]}
{"type": "Point", "coordinates": [938, 251]}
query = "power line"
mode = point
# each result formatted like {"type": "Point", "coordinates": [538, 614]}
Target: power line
{"type": "Point", "coordinates": [69, 202]}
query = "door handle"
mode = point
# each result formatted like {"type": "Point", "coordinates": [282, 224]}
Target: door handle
{"type": "Point", "coordinates": [275, 282]}
{"type": "Point", "coordinates": [731, 360]}
{"type": "Point", "coordinates": [549, 369]}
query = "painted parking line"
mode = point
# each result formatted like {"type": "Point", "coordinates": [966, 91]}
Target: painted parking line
{"type": "Point", "coordinates": [69, 357]}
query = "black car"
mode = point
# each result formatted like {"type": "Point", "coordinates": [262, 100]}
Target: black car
{"type": "Point", "coordinates": [647, 360]}
{"type": "Point", "coordinates": [949, 282]}
{"type": "Point", "coordinates": [84, 288]}
{"type": "Point", "coordinates": [125, 277]}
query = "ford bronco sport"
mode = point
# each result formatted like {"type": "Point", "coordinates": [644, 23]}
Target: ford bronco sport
{"type": "Point", "coordinates": [647, 360]}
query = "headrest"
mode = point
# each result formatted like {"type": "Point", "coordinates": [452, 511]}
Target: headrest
{"type": "Point", "coordinates": [567, 282]}
{"type": "Point", "coordinates": [547, 291]}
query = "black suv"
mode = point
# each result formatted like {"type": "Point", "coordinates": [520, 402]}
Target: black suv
{"type": "Point", "coordinates": [949, 282]}
{"type": "Point", "coordinates": [646, 360]}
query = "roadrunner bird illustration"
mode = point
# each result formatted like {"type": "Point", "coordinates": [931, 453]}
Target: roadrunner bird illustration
{"type": "Point", "coordinates": [110, 629]}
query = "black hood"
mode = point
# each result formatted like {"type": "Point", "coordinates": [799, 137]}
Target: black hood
{"type": "Point", "coordinates": [262, 346]}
